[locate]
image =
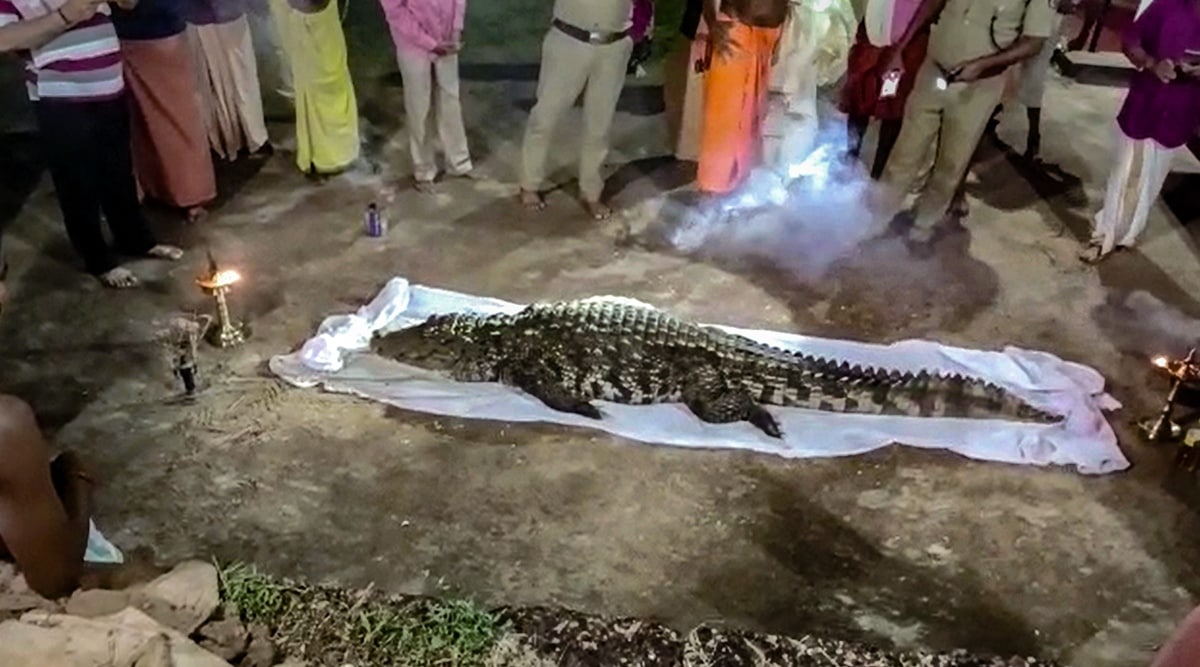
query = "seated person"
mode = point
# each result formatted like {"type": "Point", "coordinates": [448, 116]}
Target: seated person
{"type": "Point", "coordinates": [45, 505]}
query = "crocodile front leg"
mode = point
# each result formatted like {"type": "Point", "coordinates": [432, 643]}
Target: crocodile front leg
{"type": "Point", "coordinates": [716, 401]}
{"type": "Point", "coordinates": [537, 381]}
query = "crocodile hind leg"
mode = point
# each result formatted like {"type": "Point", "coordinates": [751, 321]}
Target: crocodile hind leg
{"type": "Point", "coordinates": [717, 402]}
{"type": "Point", "coordinates": [541, 384]}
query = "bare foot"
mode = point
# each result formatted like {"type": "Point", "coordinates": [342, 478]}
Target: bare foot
{"type": "Point", "coordinates": [532, 200]}
{"type": "Point", "coordinates": [598, 210]}
{"type": "Point", "coordinates": [424, 187]}
{"type": "Point", "coordinates": [196, 214]}
{"type": "Point", "coordinates": [167, 252]}
{"type": "Point", "coordinates": [118, 278]}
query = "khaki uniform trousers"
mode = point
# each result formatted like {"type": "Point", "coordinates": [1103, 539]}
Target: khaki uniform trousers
{"type": "Point", "coordinates": [571, 67]}
{"type": "Point", "coordinates": [953, 120]}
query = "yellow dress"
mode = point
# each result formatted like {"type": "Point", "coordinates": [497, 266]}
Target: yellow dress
{"type": "Point", "coordinates": [327, 138]}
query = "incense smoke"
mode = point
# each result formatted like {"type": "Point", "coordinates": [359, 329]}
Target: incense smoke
{"type": "Point", "coordinates": [804, 226]}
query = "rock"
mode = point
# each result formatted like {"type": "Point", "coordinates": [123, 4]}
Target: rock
{"type": "Point", "coordinates": [22, 644]}
{"type": "Point", "coordinates": [262, 650]}
{"type": "Point", "coordinates": [20, 602]}
{"type": "Point", "coordinates": [226, 638]}
{"type": "Point", "coordinates": [129, 638]}
{"type": "Point", "coordinates": [94, 603]}
{"type": "Point", "coordinates": [182, 599]}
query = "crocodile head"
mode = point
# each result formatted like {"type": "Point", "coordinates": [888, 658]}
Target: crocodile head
{"type": "Point", "coordinates": [440, 343]}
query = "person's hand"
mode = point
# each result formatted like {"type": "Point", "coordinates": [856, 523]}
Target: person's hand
{"type": "Point", "coordinates": [966, 72]}
{"type": "Point", "coordinates": [78, 11]}
{"type": "Point", "coordinates": [1165, 70]}
{"type": "Point", "coordinates": [1190, 68]}
{"type": "Point", "coordinates": [720, 40]}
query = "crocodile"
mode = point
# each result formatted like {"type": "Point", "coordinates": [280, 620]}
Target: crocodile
{"type": "Point", "coordinates": [568, 354]}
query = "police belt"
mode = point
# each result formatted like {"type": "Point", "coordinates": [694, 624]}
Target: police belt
{"type": "Point", "coordinates": [590, 36]}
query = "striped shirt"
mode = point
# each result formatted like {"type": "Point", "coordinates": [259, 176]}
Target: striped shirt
{"type": "Point", "coordinates": [81, 64]}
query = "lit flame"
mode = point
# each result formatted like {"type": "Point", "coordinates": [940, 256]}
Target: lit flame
{"type": "Point", "coordinates": [1160, 361]}
{"type": "Point", "coordinates": [226, 278]}
{"type": "Point", "coordinates": [223, 278]}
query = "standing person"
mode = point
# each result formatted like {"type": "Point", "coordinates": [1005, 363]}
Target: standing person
{"type": "Point", "coordinates": [75, 80]}
{"type": "Point", "coordinates": [683, 85]}
{"type": "Point", "coordinates": [811, 54]}
{"type": "Point", "coordinates": [327, 139]}
{"type": "Point", "coordinates": [428, 38]}
{"type": "Point", "coordinates": [742, 36]}
{"type": "Point", "coordinates": [171, 157]}
{"type": "Point", "coordinates": [883, 25]}
{"type": "Point", "coordinates": [1031, 85]}
{"type": "Point", "coordinates": [586, 51]}
{"type": "Point", "coordinates": [219, 35]}
{"type": "Point", "coordinates": [1161, 114]}
{"type": "Point", "coordinates": [954, 93]}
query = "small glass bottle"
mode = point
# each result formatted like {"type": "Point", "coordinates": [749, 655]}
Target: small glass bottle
{"type": "Point", "coordinates": [374, 228]}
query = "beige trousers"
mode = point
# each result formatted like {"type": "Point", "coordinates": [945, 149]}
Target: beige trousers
{"type": "Point", "coordinates": [427, 82]}
{"type": "Point", "coordinates": [1134, 184]}
{"type": "Point", "coordinates": [571, 67]}
{"type": "Point", "coordinates": [953, 120]}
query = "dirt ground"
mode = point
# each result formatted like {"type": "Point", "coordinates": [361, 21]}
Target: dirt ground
{"type": "Point", "coordinates": [902, 547]}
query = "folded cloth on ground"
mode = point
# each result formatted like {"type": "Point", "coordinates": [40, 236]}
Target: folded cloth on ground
{"type": "Point", "coordinates": [337, 359]}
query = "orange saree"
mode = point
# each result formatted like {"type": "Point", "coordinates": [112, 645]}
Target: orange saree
{"type": "Point", "coordinates": [735, 103]}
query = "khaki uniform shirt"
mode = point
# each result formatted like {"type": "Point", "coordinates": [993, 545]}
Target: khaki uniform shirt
{"type": "Point", "coordinates": [598, 15]}
{"type": "Point", "coordinates": [969, 29]}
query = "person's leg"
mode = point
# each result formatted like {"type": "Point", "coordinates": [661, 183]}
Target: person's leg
{"type": "Point", "coordinates": [1109, 220]}
{"type": "Point", "coordinates": [1033, 141]}
{"type": "Point", "coordinates": [856, 130]}
{"type": "Point", "coordinates": [963, 124]}
{"type": "Point", "coordinates": [889, 132]}
{"type": "Point", "coordinates": [45, 506]}
{"type": "Point", "coordinates": [75, 168]}
{"type": "Point", "coordinates": [600, 98]}
{"type": "Point", "coordinates": [118, 194]}
{"type": "Point", "coordinates": [919, 130]}
{"type": "Point", "coordinates": [1156, 165]}
{"type": "Point", "coordinates": [416, 74]}
{"type": "Point", "coordinates": [565, 65]}
{"type": "Point", "coordinates": [450, 117]}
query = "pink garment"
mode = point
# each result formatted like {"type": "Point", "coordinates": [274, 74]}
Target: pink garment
{"type": "Point", "coordinates": [421, 26]}
{"type": "Point", "coordinates": [903, 12]}
{"type": "Point", "coordinates": [32, 9]}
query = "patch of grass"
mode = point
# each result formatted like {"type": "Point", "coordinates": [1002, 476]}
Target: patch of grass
{"type": "Point", "coordinates": [257, 597]}
{"type": "Point", "coordinates": [331, 626]}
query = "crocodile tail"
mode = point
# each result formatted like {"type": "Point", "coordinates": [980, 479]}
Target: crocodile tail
{"type": "Point", "coordinates": [854, 389]}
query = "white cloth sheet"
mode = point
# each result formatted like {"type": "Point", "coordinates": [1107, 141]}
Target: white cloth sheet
{"type": "Point", "coordinates": [336, 359]}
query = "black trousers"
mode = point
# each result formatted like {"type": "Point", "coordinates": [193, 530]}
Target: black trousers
{"type": "Point", "coordinates": [87, 146]}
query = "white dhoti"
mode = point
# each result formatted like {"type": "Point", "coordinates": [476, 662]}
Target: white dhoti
{"type": "Point", "coordinates": [812, 53]}
{"type": "Point", "coordinates": [1137, 177]}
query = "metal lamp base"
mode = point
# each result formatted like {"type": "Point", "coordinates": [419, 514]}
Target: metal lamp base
{"type": "Point", "coordinates": [1159, 429]}
{"type": "Point", "coordinates": [228, 334]}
